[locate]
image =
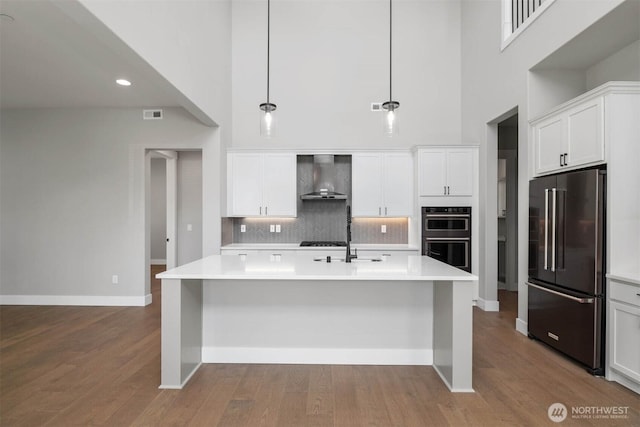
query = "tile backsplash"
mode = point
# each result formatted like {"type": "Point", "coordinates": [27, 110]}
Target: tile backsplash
{"type": "Point", "coordinates": [317, 219]}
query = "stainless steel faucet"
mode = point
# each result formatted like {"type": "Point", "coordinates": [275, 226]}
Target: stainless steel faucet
{"type": "Point", "coordinates": [349, 256]}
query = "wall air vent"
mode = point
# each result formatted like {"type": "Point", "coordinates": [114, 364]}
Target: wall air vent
{"type": "Point", "coordinates": [376, 106]}
{"type": "Point", "coordinates": [152, 114]}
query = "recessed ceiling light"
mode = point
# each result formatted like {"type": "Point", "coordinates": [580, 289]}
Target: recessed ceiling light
{"type": "Point", "coordinates": [123, 82]}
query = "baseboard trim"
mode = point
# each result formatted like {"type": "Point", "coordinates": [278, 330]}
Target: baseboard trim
{"type": "Point", "coordinates": [522, 326]}
{"type": "Point", "coordinates": [488, 305]}
{"type": "Point", "coordinates": [446, 382]}
{"type": "Point", "coordinates": [79, 300]}
{"type": "Point", "coordinates": [622, 379]}
{"type": "Point", "coordinates": [319, 356]}
{"type": "Point", "coordinates": [158, 262]}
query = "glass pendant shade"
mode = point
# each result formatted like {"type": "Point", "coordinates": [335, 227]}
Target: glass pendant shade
{"type": "Point", "coordinates": [390, 118]}
{"type": "Point", "coordinates": [267, 120]}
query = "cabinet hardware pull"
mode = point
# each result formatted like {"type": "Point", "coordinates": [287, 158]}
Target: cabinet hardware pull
{"type": "Point", "coordinates": [445, 190]}
{"type": "Point", "coordinates": [379, 211]}
{"type": "Point", "coordinates": [565, 159]}
{"type": "Point", "coordinates": [265, 210]}
{"type": "Point", "coordinates": [448, 190]}
{"type": "Point", "coordinates": [260, 210]}
{"type": "Point", "coordinates": [561, 160]}
{"type": "Point", "coordinates": [385, 210]}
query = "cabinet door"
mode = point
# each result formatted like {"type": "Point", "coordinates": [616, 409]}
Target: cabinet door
{"type": "Point", "coordinates": [279, 185]}
{"type": "Point", "coordinates": [625, 339]}
{"type": "Point", "coordinates": [245, 184]}
{"type": "Point", "coordinates": [460, 172]}
{"type": "Point", "coordinates": [585, 134]}
{"type": "Point", "coordinates": [549, 144]}
{"type": "Point", "coordinates": [432, 173]}
{"type": "Point", "coordinates": [398, 184]}
{"type": "Point", "coordinates": [366, 181]}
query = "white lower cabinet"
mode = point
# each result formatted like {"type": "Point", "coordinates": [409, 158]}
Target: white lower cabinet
{"type": "Point", "coordinates": [624, 332]}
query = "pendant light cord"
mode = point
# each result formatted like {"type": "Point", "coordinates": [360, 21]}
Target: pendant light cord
{"type": "Point", "coordinates": [390, 49]}
{"type": "Point", "coordinates": [268, 43]}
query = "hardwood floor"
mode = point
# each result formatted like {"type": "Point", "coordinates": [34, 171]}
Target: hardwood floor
{"type": "Point", "coordinates": [63, 366]}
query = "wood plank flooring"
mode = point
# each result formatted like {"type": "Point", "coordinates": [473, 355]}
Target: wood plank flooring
{"type": "Point", "coordinates": [66, 366]}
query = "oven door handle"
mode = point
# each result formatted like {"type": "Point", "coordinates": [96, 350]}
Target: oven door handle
{"type": "Point", "coordinates": [447, 215]}
{"type": "Point", "coordinates": [445, 239]}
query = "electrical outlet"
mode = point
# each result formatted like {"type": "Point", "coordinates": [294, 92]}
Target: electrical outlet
{"type": "Point", "coordinates": [189, 227]}
{"type": "Point", "coordinates": [243, 228]}
{"type": "Point", "coordinates": [383, 228]}
{"type": "Point", "coordinates": [114, 279]}
{"type": "Point", "coordinates": [277, 228]}
{"type": "Point", "coordinates": [272, 228]}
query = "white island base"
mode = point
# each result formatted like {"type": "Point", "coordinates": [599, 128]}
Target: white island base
{"type": "Point", "coordinates": [403, 310]}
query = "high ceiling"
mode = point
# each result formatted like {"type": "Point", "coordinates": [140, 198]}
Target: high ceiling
{"type": "Point", "coordinates": [48, 59]}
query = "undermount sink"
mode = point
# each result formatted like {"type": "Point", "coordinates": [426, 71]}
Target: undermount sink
{"type": "Point", "coordinates": [334, 259]}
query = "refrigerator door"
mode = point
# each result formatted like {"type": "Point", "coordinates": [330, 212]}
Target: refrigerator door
{"type": "Point", "coordinates": [568, 323]}
{"type": "Point", "coordinates": [541, 223]}
{"type": "Point", "coordinates": [579, 232]}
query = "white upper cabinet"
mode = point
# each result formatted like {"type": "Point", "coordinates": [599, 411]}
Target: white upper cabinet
{"type": "Point", "coordinates": [446, 171]}
{"type": "Point", "coordinates": [569, 138]}
{"type": "Point", "coordinates": [260, 184]}
{"type": "Point", "coordinates": [382, 184]}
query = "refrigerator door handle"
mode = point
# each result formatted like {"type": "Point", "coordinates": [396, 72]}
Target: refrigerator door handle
{"type": "Point", "coordinates": [571, 297]}
{"type": "Point", "coordinates": [546, 228]}
{"type": "Point", "coordinates": [553, 230]}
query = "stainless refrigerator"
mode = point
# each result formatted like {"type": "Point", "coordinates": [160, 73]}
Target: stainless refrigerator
{"type": "Point", "coordinates": [566, 264]}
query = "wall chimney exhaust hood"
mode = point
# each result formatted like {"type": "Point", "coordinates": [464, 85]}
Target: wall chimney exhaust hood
{"type": "Point", "coordinates": [324, 177]}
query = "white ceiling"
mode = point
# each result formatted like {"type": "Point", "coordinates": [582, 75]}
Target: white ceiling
{"type": "Point", "coordinates": [47, 59]}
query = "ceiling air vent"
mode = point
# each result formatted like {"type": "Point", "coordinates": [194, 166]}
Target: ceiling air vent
{"type": "Point", "coordinates": [152, 114]}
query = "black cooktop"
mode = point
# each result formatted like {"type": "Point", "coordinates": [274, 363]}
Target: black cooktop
{"type": "Point", "coordinates": [322, 243]}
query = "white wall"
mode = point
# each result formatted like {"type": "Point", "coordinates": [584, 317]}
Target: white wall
{"type": "Point", "coordinates": [188, 42]}
{"type": "Point", "coordinates": [73, 201]}
{"type": "Point", "coordinates": [189, 206]}
{"type": "Point", "coordinates": [330, 60]}
{"type": "Point", "coordinates": [495, 82]}
{"type": "Point", "coordinates": [158, 207]}
{"type": "Point", "coordinates": [623, 65]}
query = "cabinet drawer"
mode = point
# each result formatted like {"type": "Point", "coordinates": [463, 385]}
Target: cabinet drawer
{"type": "Point", "coordinates": [624, 293]}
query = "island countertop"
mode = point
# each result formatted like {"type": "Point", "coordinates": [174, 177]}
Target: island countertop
{"type": "Point", "coordinates": [306, 267]}
{"type": "Point", "coordinates": [291, 308]}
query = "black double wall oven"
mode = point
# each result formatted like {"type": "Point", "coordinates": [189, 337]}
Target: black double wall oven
{"type": "Point", "coordinates": [446, 235]}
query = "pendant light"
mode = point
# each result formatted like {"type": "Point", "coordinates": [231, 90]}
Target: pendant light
{"type": "Point", "coordinates": [267, 120]}
{"type": "Point", "coordinates": [390, 119]}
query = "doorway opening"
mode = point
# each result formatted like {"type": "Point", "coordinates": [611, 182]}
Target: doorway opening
{"type": "Point", "coordinates": [508, 214]}
{"type": "Point", "coordinates": [174, 212]}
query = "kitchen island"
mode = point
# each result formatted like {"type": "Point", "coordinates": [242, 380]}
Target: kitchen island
{"type": "Point", "coordinates": [260, 308]}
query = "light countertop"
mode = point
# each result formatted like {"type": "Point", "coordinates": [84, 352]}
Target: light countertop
{"type": "Point", "coordinates": [303, 267]}
{"type": "Point", "coordinates": [296, 247]}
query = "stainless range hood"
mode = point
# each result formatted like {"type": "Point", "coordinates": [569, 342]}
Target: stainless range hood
{"type": "Point", "coordinates": [324, 177]}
